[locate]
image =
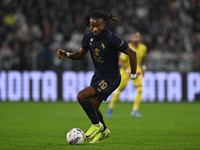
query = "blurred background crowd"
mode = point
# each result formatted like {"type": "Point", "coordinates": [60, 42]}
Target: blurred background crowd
{"type": "Point", "coordinates": [31, 31]}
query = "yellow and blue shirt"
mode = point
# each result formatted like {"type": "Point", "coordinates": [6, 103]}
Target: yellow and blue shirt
{"type": "Point", "coordinates": [141, 51]}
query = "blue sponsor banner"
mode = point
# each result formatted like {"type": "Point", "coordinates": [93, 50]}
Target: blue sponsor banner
{"type": "Point", "coordinates": [54, 86]}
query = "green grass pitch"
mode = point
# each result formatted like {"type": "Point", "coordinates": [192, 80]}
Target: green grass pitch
{"type": "Point", "coordinates": [43, 126]}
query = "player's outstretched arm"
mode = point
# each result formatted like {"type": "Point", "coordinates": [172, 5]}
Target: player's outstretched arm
{"type": "Point", "coordinates": [76, 55]}
{"type": "Point", "coordinates": [133, 62]}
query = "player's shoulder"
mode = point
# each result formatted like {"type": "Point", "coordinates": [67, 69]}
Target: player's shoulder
{"type": "Point", "coordinates": [88, 36]}
{"type": "Point", "coordinates": [88, 33]}
{"type": "Point", "coordinates": [109, 34]}
{"type": "Point", "coordinates": [143, 46]}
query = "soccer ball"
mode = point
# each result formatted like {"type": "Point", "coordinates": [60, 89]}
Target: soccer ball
{"type": "Point", "coordinates": [75, 136]}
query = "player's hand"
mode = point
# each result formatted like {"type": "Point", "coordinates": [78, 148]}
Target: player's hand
{"type": "Point", "coordinates": [135, 76]}
{"type": "Point", "coordinates": [138, 74]}
{"type": "Point", "coordinates": [61, 53]}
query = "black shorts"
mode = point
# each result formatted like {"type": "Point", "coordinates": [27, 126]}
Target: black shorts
{"type": "Point", "coordinates": [104, 86]}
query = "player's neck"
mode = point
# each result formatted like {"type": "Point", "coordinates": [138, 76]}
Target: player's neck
{"type": "Point", "coordinates": [135, 44]}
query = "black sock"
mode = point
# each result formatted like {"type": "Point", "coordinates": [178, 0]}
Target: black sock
{"type": "Point", "coordinates": [101, 120]}
{"type": "Point", "coordinates": [88, 107]}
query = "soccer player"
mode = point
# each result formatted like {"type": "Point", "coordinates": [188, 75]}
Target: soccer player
{"type": "Point", "coordinates": [125, 67]}
{"type": "Point", "coordinates": [104, 47]}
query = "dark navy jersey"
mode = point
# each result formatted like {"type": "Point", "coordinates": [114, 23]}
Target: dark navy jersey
{"type": "Point", "coordinates": [104, 52]}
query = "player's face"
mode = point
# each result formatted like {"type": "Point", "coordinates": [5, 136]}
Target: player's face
{"type": "Point", "coordinates": [135, 38]}
{"type": "Point", "coordinates": [97, 26]}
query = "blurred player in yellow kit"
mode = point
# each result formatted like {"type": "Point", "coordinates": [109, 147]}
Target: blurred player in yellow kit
{"type": "Point", "coordinates": [124, 64]}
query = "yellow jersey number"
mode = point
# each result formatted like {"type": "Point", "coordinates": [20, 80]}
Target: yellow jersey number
{"type": "Point", "coordinates": [103, 84]}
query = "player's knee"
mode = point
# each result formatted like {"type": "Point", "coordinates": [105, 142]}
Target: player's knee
{"type": "Point", "coordinates": [80, 97]}
{"type": "Point", "coordinates": [139, 89]}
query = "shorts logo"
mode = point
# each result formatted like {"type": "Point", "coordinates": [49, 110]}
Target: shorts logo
{"type": "Point", "coordinates": [99, 89]}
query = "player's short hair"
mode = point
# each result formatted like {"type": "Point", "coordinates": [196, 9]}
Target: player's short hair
{"type": "Point", "coordinates": [136, 32]}
{"type": "Point", "coordinates": [97, 13]}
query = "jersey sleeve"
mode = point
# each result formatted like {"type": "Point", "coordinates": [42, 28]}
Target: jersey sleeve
{"type": "Point", "coordinates": [85, 42]}
{"type": "Point", "coordinates": [119, 44]}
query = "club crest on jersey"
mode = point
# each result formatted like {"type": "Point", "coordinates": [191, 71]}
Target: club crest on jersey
{"type": "Point", "coordinates": [96, 51]}
{"type": "Point", "coordinates": [103, 46]}
{"type": "Point", "coordinates": [91, 39]}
